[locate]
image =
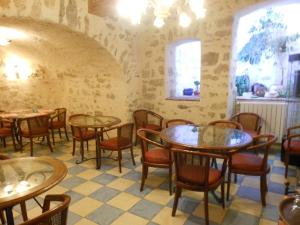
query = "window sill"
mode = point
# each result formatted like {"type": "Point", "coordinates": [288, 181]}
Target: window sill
{"type": "Point", "coordinates": [184, 98]}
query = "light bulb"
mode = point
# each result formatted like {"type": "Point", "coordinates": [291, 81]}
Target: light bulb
{"type": "Point", "coordinates": [4, 42]}
{"type": "Point", "coordinates": [184, 20]}
{"type": "Point", "coordinates": [197, 8]}
{"type": "Point", "coordinates": [159, 22]}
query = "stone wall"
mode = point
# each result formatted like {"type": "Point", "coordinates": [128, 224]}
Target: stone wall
{"type": "Point", "coordinates": [140, 52]}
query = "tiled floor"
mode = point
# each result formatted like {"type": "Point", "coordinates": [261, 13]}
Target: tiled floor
{"type": "Point", "coordinates": [107, 197]}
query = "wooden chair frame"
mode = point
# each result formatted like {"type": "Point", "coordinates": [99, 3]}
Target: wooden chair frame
{"type": "Point", "coordinates": [56, 117]}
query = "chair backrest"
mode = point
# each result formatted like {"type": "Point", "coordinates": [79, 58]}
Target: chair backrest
{"type": "Point", "coordinates": [125, 133]}
{"type": "Point", "coordinates": [226, 124]}
{"type": "Point", "coordinates": [263, 143]}
{"type": "Point", "coordinates": [38, 125]}
{"type": "Point", "coordinates": [55, 216]}
{"type": "Point", "coordinates": [142, 117]}
{"type": "Point", "coordinates": [146, 142]}
{"type": "Point", "coordinates": [185, 159]}
{"type": "Point", "coordinates": [249, 121]}
{"type": "Point", "coordinates": [61, 114]}
{"type": "Point", "coordinates": [77, 131]}
{"type": "Point", "coordinates": [175, 122]}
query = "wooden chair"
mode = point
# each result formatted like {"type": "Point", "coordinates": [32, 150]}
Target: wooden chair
{"type": "Point", "coordinates": [251, 122]}
{"type": "Point", "coordinates": [54, 216]}
{"type": "Point", "coordinates": [34, 127]}
{"type": "Point", "coordinates": [7, 131]}
{"type": "Point", "coordinates": [58, 121]}
{"type": "Point", "coordinates": [197, 177]}
{"type": "Point", "coordinates": [147, 119]}
{"type": "Point", "coordinates": [82, 135]}
{"type": "Point", "coordinates": [122, 141]}
{"type": "Point", "coordinates": [253, 164]}
{"type": "Point", "coordinates": [175, 122]}
{"type": "Point", "coordinates": [22, 204]}
{"type": "Point", "coordinates": [291, 145]}
{"type": "Point", "coordinates": [226, 124]}
{"type": "Point", "coordinates": [158, 156]}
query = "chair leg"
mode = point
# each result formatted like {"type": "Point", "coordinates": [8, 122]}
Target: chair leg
{"type": "Point", "coordinates": [31, 147]}
{"type": "Point", "coordinates": [14, 141]}
{"type": "Point", "coordinates": [263, 189]}
{"type": "Point", "coordinates": [222, 195]}
{"type": "Point", "coordinates": [21, 143]}
{"type": "Point", "coordinates": [87, 145]}
{"type": "Point", "coordinates": [81, 150]}
{"type": "Point", "coordinates": [144, 176]}
{"type": "Point", "coordinates": [170, 179]}
{"type": "Point", "coordinates": [120, 159]}
{"type": "Point", "coordinates": [286, 162]}
{"type": "Point", "coordinates": [98, 157]}
{"type": "Point", "coordinates": [52, 132]}
{"type": "Point", "coordinates": [132, 156]}
{"type": "Point", "coordinates": [24, 211]}
{"type": "Point", "coordinates": [206, 207]}
{"type": "Point", "coordinates": [228, 184]}
{"type": "Point", "coordinates": [59, 132]}
{"type": "Point", "coordinates": [176, 198]}
{"type": "Point", "coordinates": [2, 217]}
{"type": "Point", "coordinates": [136, 139]}
{"type": "Point", "coordinates": [49, 143]}
{"type": "Point", "coordinates": [235, 178]}
{"type": "Point", "coordinates": [4, 142]}
{"type": "Point", "coordinates": [66, 133]}
{"type": "Point", "coordinates": [74, 144]}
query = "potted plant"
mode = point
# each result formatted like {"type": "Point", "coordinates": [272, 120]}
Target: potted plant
{"type": "Point", "coordinates": [197, 90]}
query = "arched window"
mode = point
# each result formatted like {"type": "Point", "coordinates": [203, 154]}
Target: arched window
{"type": "Point", "coordinates": [184, 68]}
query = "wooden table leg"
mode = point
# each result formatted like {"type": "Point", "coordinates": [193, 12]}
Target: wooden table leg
{"type": "Point", "coordinates": [9, 216]}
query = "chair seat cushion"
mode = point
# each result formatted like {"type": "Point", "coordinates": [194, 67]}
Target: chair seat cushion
{"type": "Point", "coordinates": [158, 156]}
{"type": "Point", "coordinates": [5, 132]}
{"type": "Point", "coordinates": [294, 146]}
{"type": "Point", "coordinates": [113, 143]}
{"type": "Point", "coordinates": [246, 162]}
{"type": "Point", "coordinates": [153, 127]}
{"type": "Point", "coordinates": [86, 135]}
{"type": "Point", "coordinates": [195, 174]}
{"type": "Point", "coordinates": [57, 124]}
{"type": "Point", "coordinates": [252, 133]}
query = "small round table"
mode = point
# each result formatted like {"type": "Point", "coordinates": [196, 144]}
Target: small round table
{"type": "Point", "coordinates": [96, 122]}
{"type": "Point", "coordinates": [25, 113]}
{"type": "Point", "coordinates": [24, 178]}
{"type": "Point", "coordinates": [212, 138]}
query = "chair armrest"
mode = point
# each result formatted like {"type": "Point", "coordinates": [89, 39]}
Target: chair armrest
{"type": "Point", "coordinates": [292, 128]}
{"type": "Point", "coordinates": [149, 140]}
{"type": "Point", "coordinates": [291, 136]}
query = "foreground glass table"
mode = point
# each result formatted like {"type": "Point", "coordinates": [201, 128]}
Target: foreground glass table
{"type": "Point", "coordinates": [24, 178]}
{"type": "Point", "coordinates": [206, 137]}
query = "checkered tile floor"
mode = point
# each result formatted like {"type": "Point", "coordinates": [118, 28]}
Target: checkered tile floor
{"type": "Point", "coordinates": [107, 197]}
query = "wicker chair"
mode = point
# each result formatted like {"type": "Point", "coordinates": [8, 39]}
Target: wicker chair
{"type": "Point", "coordinates": [55, 216]}
{"type": "Point", "coordinates": [252, 164]}
{"type": "Point", "coordinates": [291, 145]}
{"type": "Point", "coordinates": [148, 120]}
{"type": "Point", "coordinates": [122, 141]}
{"type": "Point", "coordinates": [34, 127]}
{"type": "Point", "coordinates": [158, 156]}
{"type": "Point", "coordinates": [251, 122]}
{"type": "Point", "coordinates": [175, 122]}
{"type": "Point", "coordinates": [22, 204]}
{"type": "Point", "coordinates": [7, 131]}
{"type": "Point", "coordinates": [197, 176]}
{"type": "Point", "coordinates": [81, 135]}
{"type": "Point", "coordinates": [58, 121]}
{"type": "Point", "coordinates": [226, 124]}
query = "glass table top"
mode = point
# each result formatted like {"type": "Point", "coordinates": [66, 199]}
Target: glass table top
{"type": "Point", "coordinates": [206, 137]}
{"type": "Point", "coordinates": [21, 177]}
{"type": "Point", "coordinates": [26, 113]}
{"type": "Point", "coordinates": [94, 121]}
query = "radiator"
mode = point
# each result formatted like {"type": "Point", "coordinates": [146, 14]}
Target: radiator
{"type": "Point", "coordinates": [274, 115]}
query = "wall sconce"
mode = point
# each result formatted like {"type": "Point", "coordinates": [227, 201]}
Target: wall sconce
{"type": "Point", "coordinates": [16, 68]}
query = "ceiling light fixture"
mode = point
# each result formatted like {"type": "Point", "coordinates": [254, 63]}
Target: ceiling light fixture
{"type": "Point", "coordinates": [4, 41]}
{"type": "Point", "coordinates": [162, 10]}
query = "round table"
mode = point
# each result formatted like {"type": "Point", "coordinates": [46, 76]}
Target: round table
{"type": "Point", "coordinates": [26, 113]}
{"type": "Point", "coordinates": [87, 121]}
{"type": "Point", "coordinates": [96, 122]}
{"type": "Point", "coordinates": [206, 137]}
{"type": "Point", "coordinates": [24, 178]}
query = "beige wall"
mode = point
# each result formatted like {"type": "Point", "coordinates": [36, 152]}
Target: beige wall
{"type": "Point", "coordinates": [140, 54]}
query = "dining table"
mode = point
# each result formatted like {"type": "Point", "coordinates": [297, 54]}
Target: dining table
{"type": "Point", "coordinates": [24, 178]}
{"type": "Point", "coordinates": [96, 122]}
{"type": "Point", "coordinates": [206, 138]}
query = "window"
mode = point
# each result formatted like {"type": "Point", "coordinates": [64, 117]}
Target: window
{"type": "Point", "coordinates": [184, 68]}
{"type": "Point", "coordinates": [265, 39]}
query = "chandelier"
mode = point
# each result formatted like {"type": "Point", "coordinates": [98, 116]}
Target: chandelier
{"type": "Point", "coordinates": [162, 10]}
